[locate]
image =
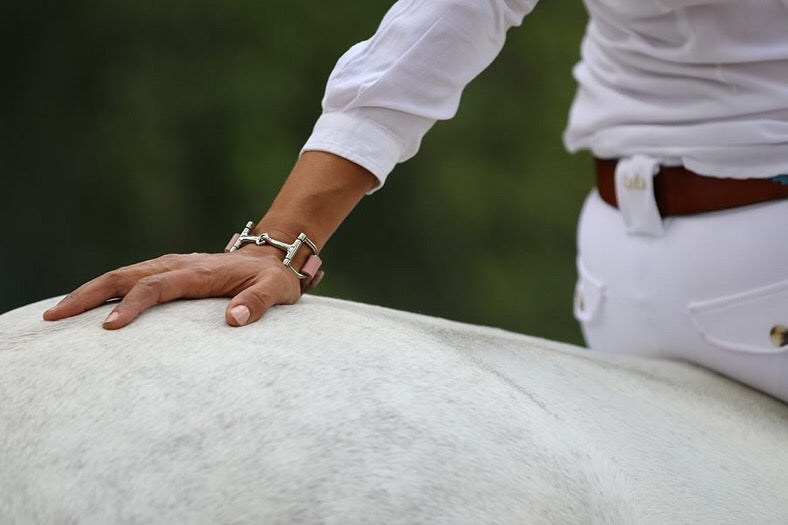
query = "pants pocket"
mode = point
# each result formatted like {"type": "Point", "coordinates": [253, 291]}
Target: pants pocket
{"type": "Point", "coordinates": [589, 294]}
{"type": "Point", "coordinates": [755, 321]}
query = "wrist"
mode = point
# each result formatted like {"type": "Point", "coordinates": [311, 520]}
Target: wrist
{"type": "Point", "coordinates": [319, 193]}
{"type": "Point", "coordinates": [299, 255]}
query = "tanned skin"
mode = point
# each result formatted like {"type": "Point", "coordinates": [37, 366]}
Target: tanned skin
{"type": "Point", "coordinates": [319, 193]}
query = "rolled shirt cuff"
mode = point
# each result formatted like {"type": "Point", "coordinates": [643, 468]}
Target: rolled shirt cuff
{"type": "Point", "coordinates": [370, 137]}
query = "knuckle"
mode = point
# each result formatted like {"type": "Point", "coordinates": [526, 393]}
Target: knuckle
{"type": "Point", "coordinates": [115, 277]}
{"type": "Point", "coordinates": [169, 260]}
{"type": "Point", "coordinates": [149, 286]}
{"type": "Point", "coordinates": [202, 271]}
{"type": "Point", "coordinates": [148, 290]}
{"type": "Point", "coordinates": [262, 296]}
{"type": "Point", "coordinates": [293, 292]}
{"type": "Point", "coordinates": [288, 289]}
{"type": "Point", "coordinates": [203, 276]}
{"type": "Point", "coordinates": [150, 283]}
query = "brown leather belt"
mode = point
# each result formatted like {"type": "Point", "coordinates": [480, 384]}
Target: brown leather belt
{"type": "Point", "coordinates": [679, 191]}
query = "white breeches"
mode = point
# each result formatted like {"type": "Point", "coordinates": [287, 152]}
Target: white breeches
{"type": "Point", "coordinates": [713, 290]}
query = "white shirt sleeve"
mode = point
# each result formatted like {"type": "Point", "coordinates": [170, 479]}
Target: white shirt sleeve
{"type": "Point", "coordinates": [385, 93]}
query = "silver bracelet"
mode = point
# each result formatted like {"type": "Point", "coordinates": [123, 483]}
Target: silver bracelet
{"type": "Point", "coordinates": [310, 268]}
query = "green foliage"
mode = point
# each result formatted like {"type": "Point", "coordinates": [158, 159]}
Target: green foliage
{"type": "Point", "coordinates": [132, 129]}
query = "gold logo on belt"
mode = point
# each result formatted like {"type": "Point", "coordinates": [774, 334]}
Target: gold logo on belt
{"type": "Point", "coordinates": [635, 183]}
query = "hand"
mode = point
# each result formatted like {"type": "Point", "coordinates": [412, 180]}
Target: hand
{"type": "Point", "coordinates": [318, 194]}
{"type": "Point", "coordinates": [253, 276]}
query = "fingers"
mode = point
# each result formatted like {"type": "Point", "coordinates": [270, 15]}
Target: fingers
{"type": "Point", "coordinates": [93, 293]}
{"type": "Point", "coordinates": [257, 278]}
{"type": "Point", "coordinates": [110, 285]}
{"type": "Point", "coordinates": [250, 304]}
{"type": "Point", "coordinates": [157, 289]}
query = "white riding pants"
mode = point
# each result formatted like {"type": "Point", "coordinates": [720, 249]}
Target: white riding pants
{"type": "Point", "coordinates": [712, 289]}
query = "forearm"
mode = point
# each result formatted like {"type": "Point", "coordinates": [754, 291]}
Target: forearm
{"type": "Point", "coordinates": [319, 193]}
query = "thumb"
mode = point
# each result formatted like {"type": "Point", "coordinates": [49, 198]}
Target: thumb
{"type": "Point", "coordinates": [250, 304]}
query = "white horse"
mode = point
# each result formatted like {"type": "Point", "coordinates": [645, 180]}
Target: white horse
{"type": "Point", "coordinates": [335, 412]}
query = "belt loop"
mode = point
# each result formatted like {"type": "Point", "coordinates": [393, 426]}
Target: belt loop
{"type": "Point", "coordinates": [635, 195]}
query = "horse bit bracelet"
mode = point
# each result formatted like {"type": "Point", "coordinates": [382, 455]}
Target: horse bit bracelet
{"type": "Point", "coordinates": [309, 274]}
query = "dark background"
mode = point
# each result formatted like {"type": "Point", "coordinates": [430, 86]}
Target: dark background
{"type": "Point", "coordinates": [132, 129]}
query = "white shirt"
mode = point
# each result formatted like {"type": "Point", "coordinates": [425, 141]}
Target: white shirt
{"type": "Point", "coordinates": [703, 83]}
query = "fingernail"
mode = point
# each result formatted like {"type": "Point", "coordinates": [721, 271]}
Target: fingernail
{"type": "Point", "coordinates": [111, 317]}
{"type": "Point", "coordinates": [240, 313]}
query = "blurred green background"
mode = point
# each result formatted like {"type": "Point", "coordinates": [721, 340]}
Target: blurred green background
{"type": "Point", "coordinates": [132, 129]}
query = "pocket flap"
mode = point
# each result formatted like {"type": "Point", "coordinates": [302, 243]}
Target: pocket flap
{"type": "Point", "coordinates": [589, 293]}
{"type": "Point", "coordinates": [755, 321]}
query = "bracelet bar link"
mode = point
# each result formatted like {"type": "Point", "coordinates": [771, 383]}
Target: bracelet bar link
{"type": "Point", "coordinates": [310, 268]}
